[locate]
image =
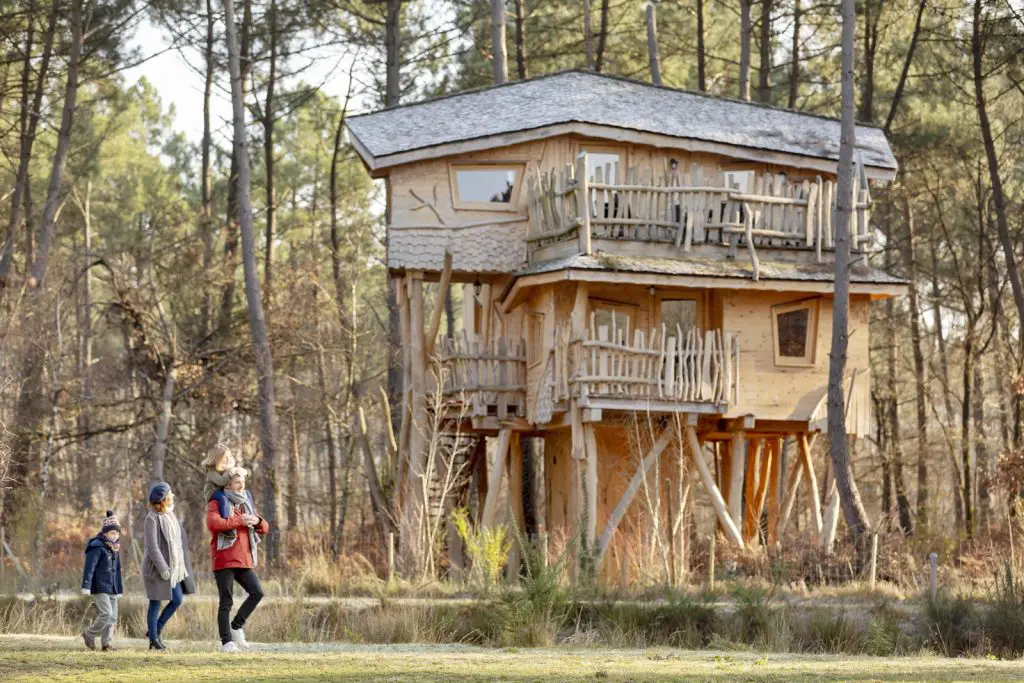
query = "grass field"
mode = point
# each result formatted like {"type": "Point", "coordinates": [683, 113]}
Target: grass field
{"type": "Point", "coordinates": [51, 658]}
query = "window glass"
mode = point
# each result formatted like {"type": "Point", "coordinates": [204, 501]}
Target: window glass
{"type": "Point", "coordinates": [489, 185]}
{"type": "Point", "coordinates": [619, 320]}
{"type": "Point", "coordinates": [602, 159]}
{"type": "Point", "coordinates": [792, 328]}
{"type": "Point", "coordinates": [681, 312]}
{"type": "Point", "coordinates": [741, 181]}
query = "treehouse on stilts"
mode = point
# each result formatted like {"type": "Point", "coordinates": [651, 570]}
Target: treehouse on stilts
{"type": "Point", "coordinates": [644, 272]}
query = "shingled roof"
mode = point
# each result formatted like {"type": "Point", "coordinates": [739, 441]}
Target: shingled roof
{"type": "Point", "coordinates": [601, 106]}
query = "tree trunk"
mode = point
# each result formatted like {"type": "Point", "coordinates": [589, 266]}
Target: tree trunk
{"type": "Point", "coordinates": [702, 79]}
{"type": "Point", "coordinates": [206, 189]}
{"type": "Point", "coordinates": [499, 54]}
{"type": "Point", "coordinates": [920, 378]}
{"type": "Point", "coordinates": [764, 71]}
{"type": "Point", "coordinates": [588, 35]}
{"type": "Point", "coordinates": [794, 66]}
{"type": "Point", "coordinates": [982, 457]}
{"type": "Point", "coordinates": [392, 49]}
{"type": "Point", "coordinates": [257, 322]}
{"type": "Point", "coordinates": [965, 432]}
{"type": "Point", "coordinates": [29, 124]}
{"type": "Point", "coordinates": [853, 508]}
{"type": "Point", "coordinates": [84, 458]}
{"type": "Point", "coordinates": [867, 83]}
{"type": "Point", "coordinates": [745, 50]}
{"type": "Point", "coordinates": [268, 158]}
{"type": "Point", "coordinates": [898, 95]}
{"type": "Point", "coordinates": [602, 37]}
{"type": "Point", "coordinates": [30, 411]}
{"type": "Point", "coordinates": [653, 58]}
{"type": "Point", "coordinates": [894, 443]}
{"type": "Point", "coordinates": [392, 35]}
{"type": "Point", "coordinates": [163, 424]}
{"type": "Point", "coordinates": [998, 197]}
{"type": "Point", "coordinates": [521, 39]}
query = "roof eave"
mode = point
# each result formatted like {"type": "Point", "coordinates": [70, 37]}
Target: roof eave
{"type": "Point", "coordinates": [378, 165]}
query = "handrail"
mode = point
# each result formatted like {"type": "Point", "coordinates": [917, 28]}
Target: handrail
{"type": "Point", "coordinates": [483, 374]}
{"type": "Point", "coordinates": [683, 208]}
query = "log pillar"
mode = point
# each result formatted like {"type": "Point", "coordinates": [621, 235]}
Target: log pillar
{"type": "Point", "coordinates": [737, 467]}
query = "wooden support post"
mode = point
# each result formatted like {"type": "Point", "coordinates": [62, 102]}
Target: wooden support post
{"type": "Point", "coordinates": [751, 486]}
{"type": "Point", "coordinates": [737, 462]}
{"type": "Point", "coordinates": [631, 490]}
{"type": "Point", "coordinates": [725, 476]}
{"type": "Point", "coordinates": [402, 291]}
{"type": "Point", "coordinates": [590, 487]}
{"type": "Point", "coordinates": [391, 558]}
{"type": "Point", "coordinates": [583, 204]}
{"type": "Point", "coordinates": [774, 475]}
{"type": "Point", "coordinates": [486, 322]}
{"type": "Point", "coordinates": [495, 474]}
{"type": "Point", "coordinates": [711, 562]}
{"type": "Point", "coordinates": [812, 479]}
{"type": "Point", "coordinates": [763, 484]}
{"type": "Point", "coordinates": [515, 500]}
{"type": "Point", "coordinates": [874, 562]}
{"type": "Point", "coordinates": [831, 520]}
{"type": "Point", "coordinates": [469, 310]}
{"type": "Point", "coordinates": [732, 530]}
{"type": "Point", "coordinates": [933, 575]}
{"type": "Point", "coordinates": [435, 316]}
{"type": "Point", "coordinates": [792, 487]}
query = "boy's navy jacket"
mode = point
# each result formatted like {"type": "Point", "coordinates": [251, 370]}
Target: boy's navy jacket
{"type": "Point", "coordinates": [102, 573]}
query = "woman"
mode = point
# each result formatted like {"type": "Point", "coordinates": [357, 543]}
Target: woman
{"type": "Point", "coordinates": [233, 548]}
{"type": "Point", "coordinates": [166, 565]}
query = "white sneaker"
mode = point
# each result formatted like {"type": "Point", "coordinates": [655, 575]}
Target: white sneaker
{"type": "Point", "coordinates": [238, 638]}
{"type": "Point", "coordinates": [229, 647]}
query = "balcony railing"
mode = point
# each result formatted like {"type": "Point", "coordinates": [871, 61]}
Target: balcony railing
{"type": "Point", "coordinates": [490, 378]}
{"type": "Point", "coordinates": [661, 365]}
{"type": "Point", "coordinates": [683, 209]}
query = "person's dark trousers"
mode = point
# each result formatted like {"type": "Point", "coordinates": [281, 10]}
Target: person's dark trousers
{"type": "Point", "coordinates": [248, 580]}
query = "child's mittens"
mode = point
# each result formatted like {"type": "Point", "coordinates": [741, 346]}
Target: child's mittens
{"type": "Point", "coordinates": [86, 591]}
{"type": "Point", "coordinates": [166, 576]}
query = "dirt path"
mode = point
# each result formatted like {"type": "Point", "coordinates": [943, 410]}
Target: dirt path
{"type": "Point", "coordinates": [46, 658]}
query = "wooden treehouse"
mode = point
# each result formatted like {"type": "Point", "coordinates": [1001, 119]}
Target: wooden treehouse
{"type": "Point", "coordinates": [647, 280]}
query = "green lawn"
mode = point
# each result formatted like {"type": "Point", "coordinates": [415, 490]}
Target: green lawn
{"type": "Point", "coordinates": [39, 658]}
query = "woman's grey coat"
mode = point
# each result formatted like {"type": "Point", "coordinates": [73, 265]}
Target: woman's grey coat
{"type": "Point", "coordinates": [155, 562]}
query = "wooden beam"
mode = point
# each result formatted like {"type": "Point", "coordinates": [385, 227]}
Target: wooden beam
{"type": "Point", "coordinates": [630, 493]}
{"type": "Point", "coordinates": [435, 316]}
{"type": "Point", "coordinates": [768, 457]}
{"type": "Point", "coordinates": [792, 485]}
{"type": "Point", "coordinates": [805, 456]}
{"type": "Point", "coordinates": [469, 310]}
{"type": "Point", "coordinates": [732, 531]}
{"type": "Point", "coordinates": [417, 435]}
{"type": "Point", "coordinates": [495, 474]}
{"type": "Point", "coordinates": [737, 459]}
{"type": "Point", "coordinates": [515, 501]}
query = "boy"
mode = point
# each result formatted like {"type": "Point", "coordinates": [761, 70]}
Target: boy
{"type": "Point", "coordinates": [101, 578]}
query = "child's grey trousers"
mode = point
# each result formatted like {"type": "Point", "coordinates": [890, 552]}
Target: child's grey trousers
{"type": "Point", "coordinates": [106, 621]}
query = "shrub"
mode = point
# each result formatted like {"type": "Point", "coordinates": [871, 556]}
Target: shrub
{"type": "Point", "coordinates": [1004, 620]}
{"type": "Point", "coordinates": [953, 627]}
{"type": "Point", "coordinates": [753, 614]}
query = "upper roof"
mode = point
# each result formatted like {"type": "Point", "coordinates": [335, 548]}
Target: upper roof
{"type": "Point", "coordinates": [599, 105]}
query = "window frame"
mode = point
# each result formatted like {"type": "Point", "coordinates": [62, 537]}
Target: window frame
{"type": "Point", "coordinates": [809, 359]}
{"type": "Point", "coordinates": [518, 165]}
{"type": "Point", "coordinates": [699, 298]}
{"type": "Point", "coordinates": [629, 309]}
{"type": "Point", "coordinates": [603, 148]}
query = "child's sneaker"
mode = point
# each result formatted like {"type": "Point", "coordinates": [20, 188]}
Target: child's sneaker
{"type": "Point", "coordinates": [90, 642]}
{"type": "Point", "coordinates": [107, 648]}
{"type": "Point", "coordinates": [238, 637]}
{"type": "Point", "coordinates": [229, 647]}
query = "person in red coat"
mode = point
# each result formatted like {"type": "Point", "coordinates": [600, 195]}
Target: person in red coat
{"type": "Point", "coordinates": [234, 544]}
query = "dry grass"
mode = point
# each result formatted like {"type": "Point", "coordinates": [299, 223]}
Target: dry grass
{"type": "Point", "coordinates": [25, 658]}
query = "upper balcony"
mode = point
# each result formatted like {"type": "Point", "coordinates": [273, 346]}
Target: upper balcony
{"type": "Point", "coordinates": [682, 210]}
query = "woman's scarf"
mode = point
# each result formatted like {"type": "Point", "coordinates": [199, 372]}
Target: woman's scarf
{"type": "Point", "coordinates": [171, 530]}
{"type": "Point", "coordinates": [227, 539]}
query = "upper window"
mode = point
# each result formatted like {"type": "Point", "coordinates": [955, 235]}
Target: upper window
{"type": "Point", "coordinates": [611, 161]}
{"type": "Point", "coordinates": [488, 187]}
{"type": "Point", "coordinates": [613, 321]}
{"type": "Point", "coordinates": [740, 181]}
{"type": "Point", "coordinates": [795, 331]}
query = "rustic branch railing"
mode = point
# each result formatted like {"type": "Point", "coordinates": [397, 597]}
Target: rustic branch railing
{"type": "Point", "coordinates": [660, 364]}
{"type": "Point", "coordinates": [683, 208]}
{"type": "Point", "coordinates": [484, 375]}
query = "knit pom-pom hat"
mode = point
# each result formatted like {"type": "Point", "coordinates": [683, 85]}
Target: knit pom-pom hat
{"type": "Point", "coordinates": [159, 492]}
{"type": "Point", "coordinates": [110, 523]}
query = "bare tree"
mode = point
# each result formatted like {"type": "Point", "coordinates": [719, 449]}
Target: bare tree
{"type": "Point", "coordinates": [588, 35]}
{"type": "Point", "coordinates": [499, 53]}
{"type": "Point", "coordinates": [257, 321]}
{"type": "Point", "coordinates": [794, 65]}
{"type": "Point", "coordinates": [764, 70]}
{"type": "Point", "coordinates": [849, 496]}
{"type": "Point", "coordinates": [602, 37]}
{"type": "Point", "coordinates": [745, 50]}
{"type": "Point", "coordinates": [521, 39]}
{"type": "Point", "coordinates": [652, 43]}
{"type": "Point", "coordinates": [702, 82]}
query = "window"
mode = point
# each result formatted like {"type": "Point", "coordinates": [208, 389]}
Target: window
{"type": "Point", "coordinates": [741, 181]}
{"type": "Point", "coordinates": [488, 187]}
{"type": "Point", "coordinates": [616, 319]}
{"type": "Point", "coordinates": [678, 312]}
{"type": "Point", "coordinates": [795, 332]}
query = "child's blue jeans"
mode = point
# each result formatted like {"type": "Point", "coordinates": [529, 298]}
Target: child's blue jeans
{"type": "Point", "coordinates": [155, 619]}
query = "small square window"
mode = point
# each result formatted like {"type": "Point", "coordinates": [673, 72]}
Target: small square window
{"type": "Point", "coordinates": [678, 314]}
{"type": "Point", "coordinates": [615, 319]}
{"type": "Point", "coordinates": [487, 187]}
{"type": "Point", "coordinates": [795, 333]}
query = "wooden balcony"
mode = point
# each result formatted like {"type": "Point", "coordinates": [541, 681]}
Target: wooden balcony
{"type": "Point", "coordinates": [660, 370]}
{"type": "Point", "coordinates": [483, 380]}
{"type": "Point", "coordinates": [682, 209]}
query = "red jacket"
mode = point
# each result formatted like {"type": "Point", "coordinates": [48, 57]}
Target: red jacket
{"type": "Point", "coordinates": [238, 556]}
